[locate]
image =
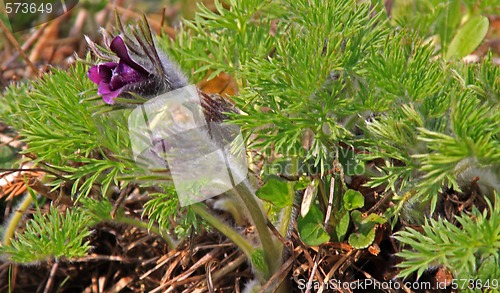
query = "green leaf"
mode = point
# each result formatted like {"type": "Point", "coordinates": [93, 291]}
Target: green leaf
{"type": "Point", "coordinates": [470, 251]}
{"type": "Point", "coordinates": [342, 226]}
{"type": "Point", "coordinates": [450, 19]}
{"type": "Point", "coordinates": [468, 37]}
{"type": "Point", "coordinates": [353, 200]}
{"type": "Point", "coordinates": [277, 192]}
{"type": "Point", "coordinates": [365, 232]}
{"type": "Point", "coordinates": [362, 238]}
{"type": "Point", "coordinates": [311, 227]}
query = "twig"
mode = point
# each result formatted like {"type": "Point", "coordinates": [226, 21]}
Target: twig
{"type": "Point", "coordinates": [123, 194]}
{"type": "Point", "coordinates": [279, 276]}
{"type": "Point", "coordinates": [10, 141]}
{"type": "Point", "coordinates": [50, 281]}
{"type": "Point", "coordinates": [335, 268]}
{"type": "Point", "coordinates": [45, 190]}
{"type": "Point", "coordinates": [386, 198]}
{"type": "Point", "coordinates": [14, 42]}
{"type": "Point", "coordinates": [35, 36]}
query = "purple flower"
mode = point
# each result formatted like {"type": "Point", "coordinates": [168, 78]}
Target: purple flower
{"type": "Point", "coordinates": [114, 78]}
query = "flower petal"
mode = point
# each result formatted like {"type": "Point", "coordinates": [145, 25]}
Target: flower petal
{"type": "Point", "coordinates": [118, 47]}
{"type": "Point", "coordinates": [101, 72]}
{"type": "Point", "coordinates": [124, 74]}
{"type": "Point", "coordinates": [106, 70]}
{"type": "Point", "coordinates": [107, 94]}
{"type": "Point", "coordinates": [93, 74]}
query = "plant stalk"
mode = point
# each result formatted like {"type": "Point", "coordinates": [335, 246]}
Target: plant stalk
{"type": "Point", "coordinates": [271, 249]}
{"type": "Point", "coordinates": [234, 236]}
{"type": "Point", "coordinates": [16, 218]}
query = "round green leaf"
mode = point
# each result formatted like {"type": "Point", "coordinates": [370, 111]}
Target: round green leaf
{"type": "Point", "coordinates": [353, 200]}
{"type": "Point", "coordinates": [362, 238]}
{"type": "Point", "coordinates": [365, 232]}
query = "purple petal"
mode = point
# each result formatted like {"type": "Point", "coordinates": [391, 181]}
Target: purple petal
{"type": "Point", "coordinates": [106, 70]}
{"type": "Point", "coordinates": [124, 74]}
{"type": "Point", "coordinates": [119, 48]}
{"type": "Point", "coordinates": [93, 74]}
{"type": "Point", "coordinates": [101, 72]}
{"type": "Point", "coordinates": [107, 94]}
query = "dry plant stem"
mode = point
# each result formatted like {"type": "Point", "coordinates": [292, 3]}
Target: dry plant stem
{"type": "Point", "coordinates": [325, 226]}
{"type": "Point", "coordinates": [50, 281]}
{"type": "Point", "coordinates": [335, 268]}
{"type": "Point", "coordinates": [45, 190]}
{"type": "Point", "coordinates": [16, 218]}
{"type": "Point", "coordinates": [35, 36]}
{"type": "Point", "coordinates": [234, 236]}
{"type": "Point", "coordinates": [14, 42]}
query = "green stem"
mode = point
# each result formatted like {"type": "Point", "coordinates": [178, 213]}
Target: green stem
{"type": "Point", "coordinates": [271, 250]}
{"type": "Point", "coordinates": [140, 224]}
{"type": "Point", "coordinates": [286, 214]}
{"type": "Point", "coordinates": [286, 217]}
{"type": "Point", "coordinates": [234, 236]}
{"type": "Point", "coordinates": [16, 218]}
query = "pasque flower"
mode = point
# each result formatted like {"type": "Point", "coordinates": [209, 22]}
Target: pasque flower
{"type": "Point", "coordinates": [133, 65]}
{"type": "Point", "coordinates": [112, 78]}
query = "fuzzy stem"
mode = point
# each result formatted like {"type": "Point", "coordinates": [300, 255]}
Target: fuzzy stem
{"type": "Point", "coordinates": [287, 212]}
{"type": "Point", "coordinates": [237, 239]}
{"type": "Point", "coordinates": [271, 250]}
{"type": "Point", "coordinates": [16, 218]}
{"type": "Point", "coordinates": [286, 217]}
{"type": "Point", "coordinates": [140, 224]}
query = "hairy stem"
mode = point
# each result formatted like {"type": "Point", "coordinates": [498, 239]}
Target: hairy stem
{"type": "Point", "coordinates": [234, 236]}
{"type": "Point", "coordinates": [16, 218]}
{"type": "Point", "coordinates": [271, 249]}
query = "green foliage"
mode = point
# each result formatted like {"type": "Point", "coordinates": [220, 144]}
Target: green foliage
{"type": "Point", "coordinates": [163, 209]}
{"type": "Point", "coordinates": [53, 234]}
{"type": "Point", "coordinates": [56, 116]}
{"type": "Point", "coordinates": [469, 248]}
{"type": "Point", "coordinates": [279, 193]}
{"type": "Point", "coordinates": [364, 234]}
{"type": "Point", "coordinates": [311, 227]}
{"type": "Point", "coordinates": [334, 71]}
{"type": "Point", "coordinates": [468, 38]}
{"type": "Point", "coordinates": [73, 135]}
{"type": "Point", "coordinates": [353, 200]}
{"type": "Point", "coordinates": [455, 25]}
{"type": "Point", "coordinates": [319, 82]}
